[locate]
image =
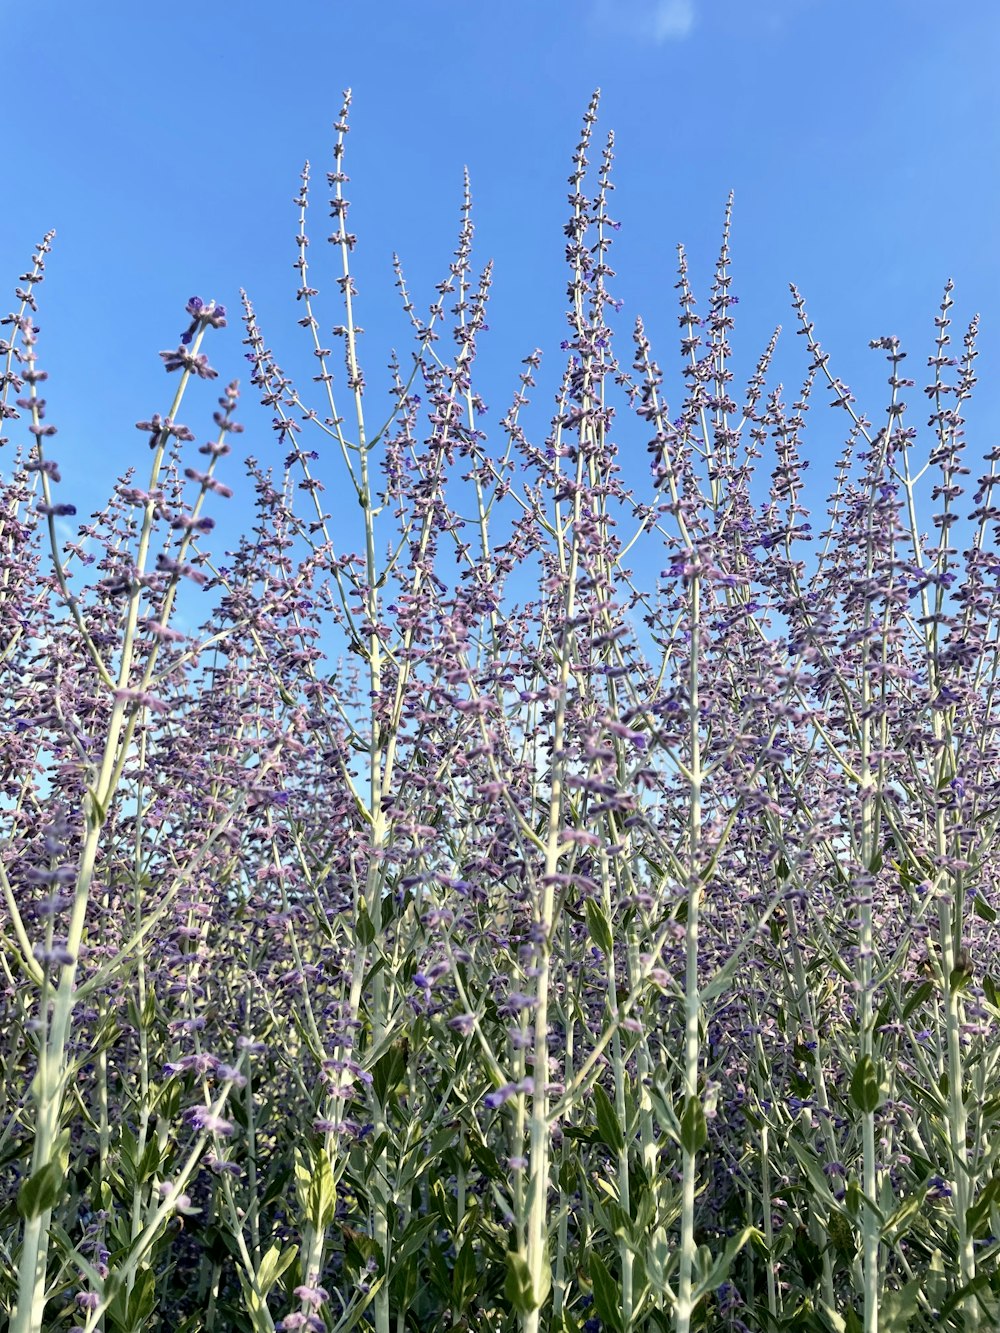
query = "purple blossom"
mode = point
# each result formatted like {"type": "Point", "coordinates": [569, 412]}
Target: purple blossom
{"type": "Point", "coordinates": [202, 1118]}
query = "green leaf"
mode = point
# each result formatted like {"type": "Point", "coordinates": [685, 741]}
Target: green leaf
{"type": "Point", "coordinates": [607, 1121]}
{"type": "Point", "coordinates": [486, 1160]}
{"type": "Point", "coordinates": [150, 1161]}
{"type": "Point", "coordinates": [600, 930]}
{"type": "Point", "coordinates": [132, 1311]}
{"type": "Point", "coordinates": [982, 908]}
{"type": "Point", "coordinates": [273, 1264]}
{"type": "Point", "coordinates": [920, 993]}
{"type": "Point", "coordinates": [666, 1117]}
{"type": "Point", "coordinates": [659, 1254]}
{"type": "Point", "coordinates": [719, 1271]}
{"type": "Point", "coordinates": [542, 1294]}
{"type": "Point", "coordinates": [166, 1100]}
{"type": "Point", "coordinates": [842, 1237]}
{"type": "Point", "coordinates": [315, 1187]}
{"type": "Point", "coordinates": [809, 1256]}
{"type": "Point", "coordinates": [417, 1231]}
{"type": "Point", "coordinates": [389, 1071]}
{"type": "Point", "coordinates": [517, 1284]}
{"type": "Point", "coordinates": [642, 1200]}
{"type": "Point", "coordinates": [607, 1296]}
{"type": "Point", "coordinates": [979, 1213]}
{"type": "Point", "coordinates": [852, 1322]}
{"type": "Point", "coordinates": [41, 1191]}
{"type": "Point", "coordinates": [979, 1283]}
{"type": "Point", "coordinates": [865, 1085]}
{"type": "Point", "coordinates": [694, 1130]}
{"type": "Point", "coordinates": [568, 1174]}
{"type": "Point", "coordinates": [835, 1320]}
{"type": "Point", "coordinates": [128, 1148]}
{"type": "Point", "coordinates": [611, 1216]}
{"type": "Point", "coordinates": [898, 1223]}
{"type": "Point", "coordinates": [142, 1301]}
{"type": "Point", "coordinates": [365, 928]}
{"type": "Point", "coordinates": [927, 1094]}
{"type": "Point", "coordinates": [96, 815]}
{"type": "Point", "coordinates": [640, 1280]}
{"type": "Point", "coordinates": [352, 1317]}
{"type": "Point", "coordinates": [702, 1264]}
{"type": "Point", "coordinates": [936, 1281]}
{"type": "Point", "coordinates": [376, 967]}
{"type": "Point", "coordinates": [897, 1308]}
{"type": "Point", "coordinates": [443, 1201]}
{"type": "Point", "coordinates": [372, 1156]}
{"type": "Point", "coordinates": [464, 1279]}
{"type": "Point", "coordinates": [960, 979]}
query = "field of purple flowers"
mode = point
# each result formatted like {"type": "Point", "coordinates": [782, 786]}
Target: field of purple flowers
{"type": "Point", "coordinates": [615, 957]}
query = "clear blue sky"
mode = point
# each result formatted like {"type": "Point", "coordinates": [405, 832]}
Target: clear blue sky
{"type": "Point", "coordinates": [164, 144]}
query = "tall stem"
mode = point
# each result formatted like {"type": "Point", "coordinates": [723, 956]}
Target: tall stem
{"type": "Point", "coordinates": [692, 998]}
{"type": "Point", "coordinates": [49, 1086]}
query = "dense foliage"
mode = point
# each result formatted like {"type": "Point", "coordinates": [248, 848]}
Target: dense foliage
{"type": "Point", "coordinates": [610, 955]}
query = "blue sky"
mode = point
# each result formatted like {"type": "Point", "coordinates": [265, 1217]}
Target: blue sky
{"type": "Point", "coordinates": [164, 144]}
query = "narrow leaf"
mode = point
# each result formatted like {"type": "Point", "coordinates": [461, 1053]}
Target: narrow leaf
{"type": "Point", "coordinates": [694, 1130]}
{"type": "Point", "coordinates": [864, 1085]}
{"type": "Point", "coordinates": [607, 1297]}
{"type": "Point", "coordinates": [600, 930]}
{"type": "Point", "coordinates": [607, 1120]}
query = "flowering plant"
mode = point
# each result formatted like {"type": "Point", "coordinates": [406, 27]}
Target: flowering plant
{"type": "Point", "coordinates": [614, 955]}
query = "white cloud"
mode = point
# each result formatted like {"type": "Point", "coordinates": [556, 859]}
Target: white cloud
{"type": "Point", "coordinates": [671, 19]}
{"type": "Point", "coordinates": [652, 20]}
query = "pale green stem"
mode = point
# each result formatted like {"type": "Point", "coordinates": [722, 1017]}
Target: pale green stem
{"type": "Point", "coordinates": [625, 1256]}
{"type": "Point", "coordinates": [49, 1087]}
{"type": "Point", "coordinates": [692, 999]}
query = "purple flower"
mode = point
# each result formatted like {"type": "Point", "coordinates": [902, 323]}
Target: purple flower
{"type": "Point", "coordinates": [201, 1117]}
{"type": "Point", "coordinates": [494, 1099]}
{"type": "Point", "coordinates": [504, 1094]}
{"type": "Point", "coordinates": [55, 956]}
{"type": "Point", "coordinates": [182, 359]}
{"type": "Point", "coordinates": [201, 1064]}
{"type": "Point", "coordinates": [182, 1201]}
{"type": "Point", "coordinates": [314, 1296]}
{"type": "Point", "coordinates": [220, 1168]}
